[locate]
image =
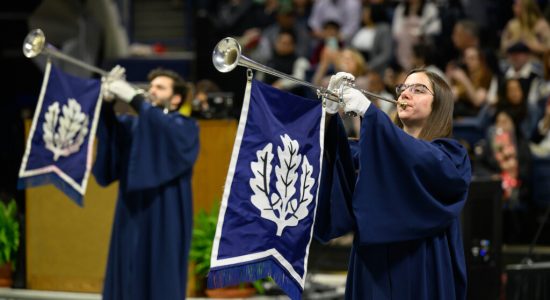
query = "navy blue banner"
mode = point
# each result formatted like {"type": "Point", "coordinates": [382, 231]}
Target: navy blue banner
{"type": "Point", "coordinates": [60, 142]}
{"type": "Point", "coordinates": [268, 206]}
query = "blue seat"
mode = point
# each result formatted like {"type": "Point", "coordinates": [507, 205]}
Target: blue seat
{"type": "Point", "coordinates": [541, 181]}
{"type": "Point", "coordinates": [473, 129]}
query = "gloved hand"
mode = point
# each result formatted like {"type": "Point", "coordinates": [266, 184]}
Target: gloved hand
{"type": "Point", "coordinates": [334, 84]}
{"type": "Point", "coordinates": [115, 86]}
{"type": "Point", "coordinates": [122, 90]}
{"type": "Point", "coordinates": [355, 101]}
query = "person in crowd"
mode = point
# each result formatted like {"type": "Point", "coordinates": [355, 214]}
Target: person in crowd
{"type": "Point", "coordinates": [524, 67]}
{"type": "Point", "coordinates": [541, 134]}
{"type": "Point", "coordinates": [331, 40]}
{"type": "Point", "coordinates": [470, 84]}
{"type": "Point", "coordinates": [507, 154]}
{"type": "Point", "coordinates": [375, 84]}
{"type": "Point", "coordinates": [286, 21]}
{"type": "Point", "coordinates": [346, 60]}
{"type": "Point", "coordinates": [423, 57]}
{"type": "Point", "coordinates": [302, 10]}
{"type": "Point", "coordinates": [348, 12]}
{"type": "Point", "coordinates": [528, 26]}
{"type": "Point", "coordinates": [465, 35]}
{"type": "Point", "coordinates": [405, 200]}
{"type": "Point", "coordinates": [286, 60]}
{"type": "Point", "coordinates": [413, 21]}
{"type": "Point", "coordinates": [151, 155]}
{"type": "Point", "coordinates": [374, 39]}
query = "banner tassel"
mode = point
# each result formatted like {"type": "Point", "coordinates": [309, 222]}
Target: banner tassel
{"type": "Point", "coordinates": [227, 276]}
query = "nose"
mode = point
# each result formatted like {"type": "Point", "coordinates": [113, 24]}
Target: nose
{"type": "Point", "coordinates": [406, 94]}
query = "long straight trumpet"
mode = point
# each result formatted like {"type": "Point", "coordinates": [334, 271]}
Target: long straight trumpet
{"type": "Point", "coordinates": [227, 55]}
{"type": "Point", "coordinates": [35, 44]}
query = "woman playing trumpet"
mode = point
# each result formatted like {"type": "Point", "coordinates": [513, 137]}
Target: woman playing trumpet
{"type": "Point", "coordinates": [405, 200]}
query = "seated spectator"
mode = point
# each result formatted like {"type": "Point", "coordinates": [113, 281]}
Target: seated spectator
{"type": "Point", "coordinates": [413, 21]}
{"type": "Point", "coordinates": [423, 55]}
{"type": "Point", "coordinates": [507, 154]}
{"type": "Point", "coordinates": [465, 35]}
{"type": "Point", "coordinates": [286, 60]}
{"type": "Point", "coordinates": [470, 84]}
{"type": "Point", "coordinates": [524, 67]}
{"type": "Point", "coordinates": [286, 20]}
{"type": "Point", "coordinates": [330, 38]}
{"type": "Point", "coordinates": [302, 10]}
{"type": "Point", "coordinates": [528, 26]}
{"type": "Point", "coordinates": [346, 12]}
{"type": "Point", "coordinates": [375, 85]}
{"type": "Point", "coordinates": [541, 134]}
{"type": "Point", "coordinates": [345, 60]}
{"type": "Point", "coordinates": [373, 39]}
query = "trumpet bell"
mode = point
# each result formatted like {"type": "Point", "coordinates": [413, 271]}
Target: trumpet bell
{"type": "Point", "coordinates": [226, 55]}
{"type": "Point", "coordinates": [34, 43]}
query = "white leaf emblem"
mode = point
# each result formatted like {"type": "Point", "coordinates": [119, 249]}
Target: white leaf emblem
{"type": "Point", "coordinates": [282, 207]}
{"type": "Point", "coordinates": [64, 134]}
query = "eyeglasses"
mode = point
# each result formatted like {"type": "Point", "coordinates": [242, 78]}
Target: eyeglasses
{"type": "Point", "coordinates": [415, 88]}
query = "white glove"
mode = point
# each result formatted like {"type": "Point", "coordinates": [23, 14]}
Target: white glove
{"type": "Point", "coordinates": [355, 101]}
{"type": "Point", "coordinates": [334, 84]}
{"type": "Point", "coordinates": [117, 73]}
{"type": "Point", "coordinates": [122, 90]}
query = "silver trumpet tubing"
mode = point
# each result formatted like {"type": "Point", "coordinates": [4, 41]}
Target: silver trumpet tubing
{"type": "Point", "coordinates": [35, 44]}
{"type": "Point", "coordinates": [228, 54]}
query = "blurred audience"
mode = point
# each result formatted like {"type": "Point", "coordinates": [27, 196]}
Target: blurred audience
{"type": "Point", "coordinates": [413, 21]}
{"type": "Point", "coordinates": [470, 84]}
{"type": "Point", "coordinates": [346, 12]}
{"type": "Point", "coordinates": [528, 26]}
{"type": "Point", "coordinates": [374, 39]}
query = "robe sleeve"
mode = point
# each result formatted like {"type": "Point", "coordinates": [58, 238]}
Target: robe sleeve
{"type": "Point", "coordinates": [164, 147]}
{"type": "Point", "coordinates": [407, 188]}
{"type": "Point", "coordinates": [334, 216]}
{"type": "Point", "coordinates": [113, 136]}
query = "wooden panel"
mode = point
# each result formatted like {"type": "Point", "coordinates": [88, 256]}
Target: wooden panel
{"type": "Point", "coordinates": [216, 138]}
{"type": "Point", "coordinates": [67, 245]}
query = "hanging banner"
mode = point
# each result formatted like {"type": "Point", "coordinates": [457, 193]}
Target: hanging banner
{"type": "Point", "coordinates": [268, 207]}
{"type": "Point", "coordinates": [60, 143]}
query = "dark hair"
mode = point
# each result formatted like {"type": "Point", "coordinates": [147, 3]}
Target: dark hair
{"type": "Point", "coordinates": [440, 120]}
{"type": "Point", "coordinates": [331, 24]}
{"type": "Point", "coordinates": [469, 26]}
{"type": "Point", "coordinates": [378, 13]}
{"type": "Point", "coordinates": [420, 10]}
{"type": "Point", "coordinates": [290, 32]}
{"type": "Point", "coordinates": [179, 86]}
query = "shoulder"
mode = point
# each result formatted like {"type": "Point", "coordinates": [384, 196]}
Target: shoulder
{"type": "Point", "coordinates": [453, 150]}
{"type": "Point", "coordinates": [182, 120]}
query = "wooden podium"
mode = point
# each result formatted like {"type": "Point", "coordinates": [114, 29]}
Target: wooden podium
{"type": "Point", "coordinates": [67, 245]}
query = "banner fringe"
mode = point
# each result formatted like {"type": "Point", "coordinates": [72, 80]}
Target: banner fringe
{"type": "Point", "coordinates": [51, 178]}
{"type": "Point", "coordinates": [233, 275]}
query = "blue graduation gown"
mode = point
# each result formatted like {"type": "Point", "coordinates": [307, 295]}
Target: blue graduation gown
{"type": "Point", "coordinates": [152, 157]}
{"type": "Point", "coordinates": [403, 205]}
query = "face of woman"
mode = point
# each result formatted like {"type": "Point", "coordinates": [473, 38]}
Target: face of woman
{"type": "Point", "coordinates": [347, 63]}
{"type": "Point", "coordinates": [419, 98]}
{"type": "Point", "coordinates": [514, 92]}
{"type": "Point", "coordinates": [471, 58]}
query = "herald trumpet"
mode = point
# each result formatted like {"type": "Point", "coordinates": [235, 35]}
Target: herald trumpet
{"type": "Point", "coordinates": [35, 44]}
{"type": "Point", "coordinates": [227, 55]}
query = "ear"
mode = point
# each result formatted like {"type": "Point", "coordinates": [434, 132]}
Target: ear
{"type": "Point", "coordinates": [175, 100]}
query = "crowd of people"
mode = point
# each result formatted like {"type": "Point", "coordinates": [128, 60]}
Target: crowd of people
{"type": "Point", "coordinates": [497, 65]}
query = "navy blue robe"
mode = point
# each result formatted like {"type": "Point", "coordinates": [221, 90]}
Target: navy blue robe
{"type": "Point", "coordinates": [152, 157]}
{"type": "Point", "coordinates": [403, 204]}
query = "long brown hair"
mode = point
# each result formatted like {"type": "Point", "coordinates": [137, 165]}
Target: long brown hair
{"type": "Point", "coordinates": [440, 120]}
